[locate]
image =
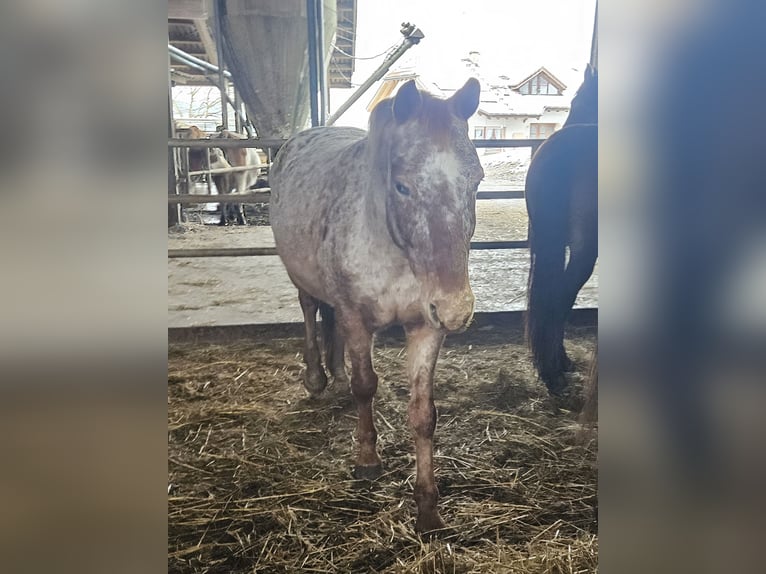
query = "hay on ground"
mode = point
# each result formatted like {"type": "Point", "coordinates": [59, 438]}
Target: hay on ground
{"type": "Point", "coordinates": [260, 475]}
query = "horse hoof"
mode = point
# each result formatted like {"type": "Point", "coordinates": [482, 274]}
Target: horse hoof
{"type": "Point", "coordinates": [341, 378]}
{"type": "Point", "coordinates": [368, 472]}
{"type": "Point", "coordinates": [431, 525]}
{"type": "Point", "coordinates": [557, 386]}
{"type": "Point", "coordinates": [315, 383]}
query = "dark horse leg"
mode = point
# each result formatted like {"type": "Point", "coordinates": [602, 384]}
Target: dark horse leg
{"type": "Point", "coordinates": [364, 385]}
{"type": "Point", "coordinates": [423, 344]}
{"type": "Point", "coordinates": [241, 179]}
{"type": "Point", "coordinates": [315, 379]}
{"type": "Point", "coordinates": [334, 344]}
{"type": "Point", "coordinates": [240, 214]}
{"type": "Point", "coordinates": [582, 260]}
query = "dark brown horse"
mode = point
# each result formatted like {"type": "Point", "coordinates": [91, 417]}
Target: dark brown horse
{"type": "Point", "coordinates": [562, 202]}
{"type": "Point", "coordinates": [374, 229]}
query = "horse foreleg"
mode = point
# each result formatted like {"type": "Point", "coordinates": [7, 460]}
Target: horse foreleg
{"type": "Point", "coordinates": [364, 385]}
{"type": "Point", "coordinates": [315, 379]}
{"type": "Point", "coordinates": [423, 344]}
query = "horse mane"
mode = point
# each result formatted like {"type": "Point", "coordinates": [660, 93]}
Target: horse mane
{"type": "Point", "coordinates": [434, 117]}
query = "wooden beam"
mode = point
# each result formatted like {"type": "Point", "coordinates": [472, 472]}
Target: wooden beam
{"type": "Point", "coordinates": [206, 39]}
{"type": "Point", "coordinates": [187, 9]}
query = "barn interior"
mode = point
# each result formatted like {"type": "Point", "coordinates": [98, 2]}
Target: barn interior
{"type": "Point", "coordinates": [259, 473]}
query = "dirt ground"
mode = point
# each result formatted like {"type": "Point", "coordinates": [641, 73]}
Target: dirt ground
{"type": "Point", "coordinates": [242, 290]}
{"type": "Point", "coordinates": [260, 475]}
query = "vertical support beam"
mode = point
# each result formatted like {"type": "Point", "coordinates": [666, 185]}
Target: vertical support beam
{"type": "Point", "coordinates": [237, 115]}
{"type": "Point", "coordinates": [323, 104]}
{"type": "Point", "coordinates": [311, 23]}
{"type": "Point", "coordinates": [174, 211]}
{"type": "Point", "coordinates": [594, 41]}
{"type": "Point", "coordinates": [219, 13]}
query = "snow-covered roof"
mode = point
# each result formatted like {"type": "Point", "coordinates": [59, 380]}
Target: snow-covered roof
{"type": "Point", "coordinates": [498, 97]}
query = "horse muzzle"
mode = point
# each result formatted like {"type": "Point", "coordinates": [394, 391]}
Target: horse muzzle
{"type": "Point", "coordinates": [451, 312]}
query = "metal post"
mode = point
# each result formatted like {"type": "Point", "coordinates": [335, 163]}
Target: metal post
{"type": "Point", "coordinates": [412, 35]}
{"type": "Point", "coordinates": [594, 42]}
{"type": "Point", "coordinates": [312, 54]}
{"type": "Point", "coordinates": [174, 211]}
{"type": "Point", "coordinates": [237, 114]}
{"type": "Point", "coordinates": [219, 10]}
{"type": "Point", "coordinates": [319, 4]}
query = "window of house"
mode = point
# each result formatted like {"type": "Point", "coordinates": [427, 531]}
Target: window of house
{"type": "Point", "coordinates": [541, 131]}
{"type": "Point", "coordinates": [496, 133]}
{"type": "Point", "coordinates": [478, 133]}
{"type": "Point", "coordinates": [539, 85]}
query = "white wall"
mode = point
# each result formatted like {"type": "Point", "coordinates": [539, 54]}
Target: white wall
{"type": "Point", "coordinates": [515, 127]}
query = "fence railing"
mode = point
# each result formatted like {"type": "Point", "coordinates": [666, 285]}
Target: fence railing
{"type": "Point", "coordinates": [264, 195]}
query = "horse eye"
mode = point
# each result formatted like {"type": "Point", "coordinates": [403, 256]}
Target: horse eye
{"type": "Point", "coordinates": [402, 189]}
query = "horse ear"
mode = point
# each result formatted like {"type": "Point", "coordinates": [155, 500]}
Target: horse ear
{"type": "Point", "coordinates": [406, 102]}
{"type": "Point", "coordinates": [465, 101]}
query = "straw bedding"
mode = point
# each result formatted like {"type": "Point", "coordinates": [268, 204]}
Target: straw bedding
{"type": "Point", "coordinates": [260, 475]}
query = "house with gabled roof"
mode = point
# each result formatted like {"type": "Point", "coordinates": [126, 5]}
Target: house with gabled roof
{"type": "Point", "coordinates": [533, 107]}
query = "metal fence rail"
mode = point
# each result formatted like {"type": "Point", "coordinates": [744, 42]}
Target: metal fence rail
{"type": "Point", "coordinates": [264, 195]}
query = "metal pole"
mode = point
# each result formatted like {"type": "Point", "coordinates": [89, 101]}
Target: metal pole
{"type": "Point", "coordinates": [594, 42]}
{"type": "Point", "coordinates": [237, 115]}
{"type": "Point", "coordinates": [219, 8]}
{"type": "Point", "coordinates": [320, 62]}
{"type": "Point", "coordinates": [174, 211]}
{"type": "Point", "coordinates": [185, 58]}
{"type": "Point", "coordinates": [312, 54]}
{"type": "Point", "coordinates": [413, 35]}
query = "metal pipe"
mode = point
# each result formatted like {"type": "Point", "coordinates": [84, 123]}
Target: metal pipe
{"type": "Point", "coordinates": [221, 76]}
{"type": "Point", "coordinates": [174, 211]}
{"type": "Point", "coordinates": [412, 36]}
{"type": "Point", "coordinates": [238, 117]}
{"type": "Point", "coordinates": [264, 195]}
{"type": "Point", "coordinates": [220, 170]}
{"type": "Point", "coordinates": [319, 4]}
{"type": "Point", "coordinates": [225, 143]}
{"type": "Point", "coordinates": [594, 41]}
{"type": "Point", "coordinates": [188, 63]}
{"type": "Point", "coordinates": [311, 26]}
{"type": "Point", "coordinates": [189, 59]}
{"type": "Point", "coordinates": [251, 197]}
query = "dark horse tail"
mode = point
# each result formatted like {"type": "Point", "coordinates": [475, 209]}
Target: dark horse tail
{"type": "Point", "coordinates": [546, 310]}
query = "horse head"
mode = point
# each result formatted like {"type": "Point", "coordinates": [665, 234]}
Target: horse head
{"type": "Point", "coordinates": [429, 170]}
{"type": "Point", "coordinates": [584, 108]}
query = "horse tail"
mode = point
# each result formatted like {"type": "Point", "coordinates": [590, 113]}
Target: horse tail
{"type": "Point", "coordinates": [545, 292]}
{"type": "Point", "coordinates": [328, 325]}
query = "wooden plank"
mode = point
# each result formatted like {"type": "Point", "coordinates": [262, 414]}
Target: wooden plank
{"type": "Point", "coordinates": [504, 194]}
{"type": "Point", "coordinates": [482, 245]}
{"type": "Point", "coordinates": [222, 252]}
{"type": "Point", "coordinates": [261, 251]}
{"type": "Point", "coordinates": [498, 321]}
{"type": "Point", "coordinates": [533, 143]}
{"type": "Point", "coordinates": [187, 10]}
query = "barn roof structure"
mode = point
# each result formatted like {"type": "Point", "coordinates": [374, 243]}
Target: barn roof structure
{"type": "Point", "coordinates": [190, 29]}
